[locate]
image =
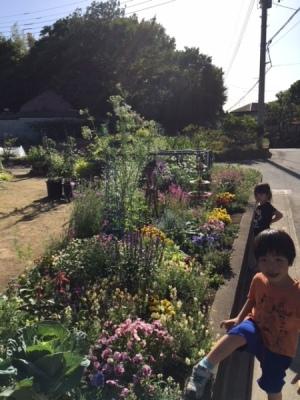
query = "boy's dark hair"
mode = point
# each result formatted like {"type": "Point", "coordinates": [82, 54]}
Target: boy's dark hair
{"type": "Point", "coordinates": [263, 188]}
{"type": "Point", "coordinates": [275, 241]}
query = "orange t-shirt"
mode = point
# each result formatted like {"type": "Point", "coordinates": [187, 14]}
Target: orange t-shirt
{"type": "Point", "coordinates": [277, 314]}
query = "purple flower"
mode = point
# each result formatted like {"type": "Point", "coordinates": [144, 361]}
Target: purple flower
{"type": "Point", "coordinates": [97, 380]}
{"type": "Point", "coordinates": [199, 240]}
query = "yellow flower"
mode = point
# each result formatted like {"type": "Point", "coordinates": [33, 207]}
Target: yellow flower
{"type": "Point", "coordinates": [161, 309]}
{"type": "Point", "coordinates": [220, 214]}
{"type": "Point", "coordinates": [153, 232]}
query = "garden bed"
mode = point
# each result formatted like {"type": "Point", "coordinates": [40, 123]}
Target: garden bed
{"type": "Point", "coordinates": [128, 290]}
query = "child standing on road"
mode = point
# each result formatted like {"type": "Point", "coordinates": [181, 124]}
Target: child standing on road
{"type": "Point", "coordinates": [269, 322]}
{"type": "Point", "coordinates": [265, 213]}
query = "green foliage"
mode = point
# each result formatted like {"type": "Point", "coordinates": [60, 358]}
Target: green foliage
{"type": "Point", "coordinates": [48, 159]}
{"type": "Point", "coordinates": [280, 116]}
{"type": "Point", "coordinates": [45, 362]}
{"type": "Point", "coordinates": [240, 131]}
{"type": "Point", "coordinates": [5, 176]}
{"type": "Point", "coordinates": [11, 318]}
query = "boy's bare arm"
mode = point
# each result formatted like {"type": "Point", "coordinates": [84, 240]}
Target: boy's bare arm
{"type": "Point", "coordinates": [229, 323]}
{"type": "Point", "coordinates": [277, 216]}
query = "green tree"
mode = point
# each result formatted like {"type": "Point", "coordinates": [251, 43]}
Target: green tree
{"type": "Point", "coordinates": [240, 131]}
{"type": "Point", "coordinates": [86, 55]}
{"type": "Point", "coordinates": [281, 115]}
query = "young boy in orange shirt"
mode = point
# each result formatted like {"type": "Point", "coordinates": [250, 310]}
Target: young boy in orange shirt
{"type": "Point", "coordinates": [268, 324]}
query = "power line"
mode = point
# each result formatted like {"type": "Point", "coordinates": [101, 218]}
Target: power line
{"type": "Point", "coordinates": [45, 9]}
{"type": "Point", "coordinates": [283, 36]}
{"type": "Point", "coordinates": [246, 94]}
{"type": "Point", "coordinates": [30, 19]}
{"type": "Point", "coordinates": [148, 8]}
{"type": "Point", "coordinates": [138, 4]}
{"type": "Point", "coordinates": [283, 26]}
{"type": "Point", "coordinates": [241, 35]}
{"type": "Point", "coordinates": [32, 22]}
{"type": "Point", "coordinates": [33, 19]}
{"type": "Point", "coordinates": [280, 5]}
{"type": "Point", "coordinates": [286, 65]}
{"type": "Point", "coordinates": [126, 14]}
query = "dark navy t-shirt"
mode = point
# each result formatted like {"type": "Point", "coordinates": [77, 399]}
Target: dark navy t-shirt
{"type": "Point", "coordinates": [263, 217]}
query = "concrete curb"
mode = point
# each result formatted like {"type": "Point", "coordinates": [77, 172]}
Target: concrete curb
{"type": "Point", "coordinates": [285, 169]}
{"type": "Point", "coordinates": [232, 379]}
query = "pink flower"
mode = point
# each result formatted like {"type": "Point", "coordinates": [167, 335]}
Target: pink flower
{"type": "Point", "coordinates": [137, 359]}
{"type": "Point", "coordinates": [146, 370]}
{"type": "Point", "coordinates": [124, 393]}
{"type": "Point", "coordinates": [119, 369]}
{"type": "Point", "coordinates": [117, 356]}
{"type": "Point", "coordinates": [106, 353]}
{"type": "Point", "coordinates": [111, 382]}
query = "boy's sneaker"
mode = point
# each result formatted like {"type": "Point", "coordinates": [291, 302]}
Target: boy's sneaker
{"type": "Point", "coordinates": [196, 384]}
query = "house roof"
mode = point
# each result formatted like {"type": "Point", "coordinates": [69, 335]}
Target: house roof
{"type": "Point", "coordinates": [47, 101]}
{"type": "Point", "coordinates": [248, 108]}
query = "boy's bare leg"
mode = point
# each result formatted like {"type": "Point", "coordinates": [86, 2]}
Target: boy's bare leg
{"type": "Point", "coordinates": [224, 347]}
{"type": "Point", "coordinates": [274, 396]}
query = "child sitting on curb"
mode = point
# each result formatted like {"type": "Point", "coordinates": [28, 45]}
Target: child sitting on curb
{"type": "Point", "coordinates": [268, 324]}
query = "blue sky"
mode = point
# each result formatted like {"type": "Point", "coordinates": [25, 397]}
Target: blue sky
{"type": "Point", "coordinates": [228, 31]}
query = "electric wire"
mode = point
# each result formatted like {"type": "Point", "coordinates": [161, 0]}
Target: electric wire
{"type": "Point", "coordinates": [283, 36]}
{"type": "Point", "coordinates": [246, 94]}
{"type": "Point", "coordinates": [148, 8]}
{"type": "Point", "coordinates": [240, 38]}
{"type": "Point", "coordinates": [25, 26]}
{"type": "Point", "coordinates": [45, 9]}
{"type": "Point", "coordinates": [283, 26]}
{"type": "Point", "coordinates": [32, 20]}
{"type": "Point", "coordinates": [32, 31]}
{"type": "Point", "coordinates": [280, 5]}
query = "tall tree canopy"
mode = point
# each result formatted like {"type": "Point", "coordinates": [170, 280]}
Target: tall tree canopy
{"type": "Point", "coordinates": [283, 117]}
{"type": "Point", "coordinates": [86, 55]}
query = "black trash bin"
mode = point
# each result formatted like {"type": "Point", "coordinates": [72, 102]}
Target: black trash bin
{"type": "Point", "coordinates": [54, 189]}
{"type": "Point", "coordinates": [68, 189]}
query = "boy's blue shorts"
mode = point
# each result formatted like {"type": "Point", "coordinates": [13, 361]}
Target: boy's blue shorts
{"type": "Point", "coordinates": [273, 365]}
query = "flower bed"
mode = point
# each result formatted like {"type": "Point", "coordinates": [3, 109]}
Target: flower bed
{"type": "Point", "coordinates": [136, 273]}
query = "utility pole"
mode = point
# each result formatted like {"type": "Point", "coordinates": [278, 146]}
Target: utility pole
{"type": "Point", "coordinates": [265, 4]}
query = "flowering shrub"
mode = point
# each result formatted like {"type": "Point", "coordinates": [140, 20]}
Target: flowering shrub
{"type": "Point", "coordinates": [224, 199]}
{"type": "Point", "coordinates": [126, 355]}
{"type": "Point", "coordinates": [207, 240]}
{"type": "Point", "coordinates": [220, 214]}
{"type": "Point", "coordinates": [177, 195]}
{"type": "Point", "coordinates": [153, 232]}
{"type": "Point", "coordinates": [141, 256]}
{"type": "Point", "coordinates": [213, 225]}
{"type": "Point", "coordinates": [228, 179]}
{"type": "Point", "coordinates": [162, 310]}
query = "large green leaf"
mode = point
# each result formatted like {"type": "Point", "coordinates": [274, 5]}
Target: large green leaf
{"type": "Point", "coordinates": [45, 331]}
{"type": "Point", "coordinates": [22, 391]}
{"type": "Point", "coordinates": [75, 366]}
{"type": "Point", "coordinates": [27, 369]}
{"type": "Point", "coordinates": [53, 364]}
{"type": "Point", "coordinates": [39, 350]}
